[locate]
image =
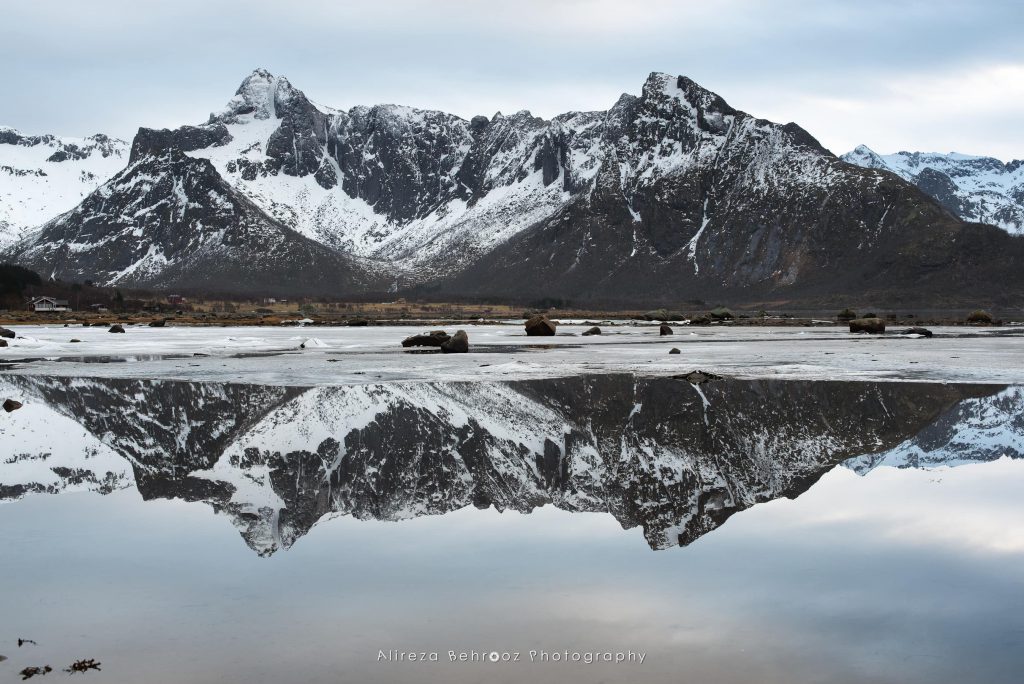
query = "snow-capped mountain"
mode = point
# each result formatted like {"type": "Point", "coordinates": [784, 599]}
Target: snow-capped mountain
{"type": "Point", "coordinates": [170, 220]}
{"type": "Point", "coordinates": [981, 189]}
{"type": "Point", "coordinates": [44, 175]}
{"type": "Point", "coordinates": [670, 194]}
{"type": "Point", "coordinates": [674, 458]}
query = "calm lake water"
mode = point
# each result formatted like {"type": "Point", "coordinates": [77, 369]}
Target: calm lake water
{"type": "Point", "coordinates": [723, 531]}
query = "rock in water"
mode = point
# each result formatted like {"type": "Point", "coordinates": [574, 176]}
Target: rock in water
{"type": "Point", "coordinates": [665, 330]}
{"type": "Point", "coordinates": [3, 343]}
{"type": "Point", "coordinates": [923, 332]}
{"type": "Point", "coordinates": [116, 328]}
{"type": "Point", "coordinates": [674, 350]}
{"type": "Point", "coordinates": [74, 339]}
{"type": "Point", "coordinates": [697, 377]}
{"type": "Point", "coordinates": [158, 324]}
{"type": "Point", "coordinates": [540, 326]}
{"type": "Point", "coordinates": [873, 326]}
{"type": "Point", "coordinates": [4, 332]}
{"type": "Point", "coordinates": [458, 344]}
{"type": "Point", "coordinates": [592, 331]}
{"type": "Point", "coordinates": [11, 405]}
{"type": "Point", "coordinates": [434, 338]}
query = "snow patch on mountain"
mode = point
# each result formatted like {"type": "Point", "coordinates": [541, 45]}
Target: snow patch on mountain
{"type": "Point", "coordinates": [45, 175]}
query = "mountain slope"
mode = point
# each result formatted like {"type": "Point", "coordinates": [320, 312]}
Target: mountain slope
{"type": "Point", "coordinates": [171, 221]}
{"type": "Point", "coordinates": [44, 175]}
{"type": "Point", "coordinates": [980, 189]}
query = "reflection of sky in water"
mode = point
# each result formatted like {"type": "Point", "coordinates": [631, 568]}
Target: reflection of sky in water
{"type": "Point", "coordinates": [899, 576]}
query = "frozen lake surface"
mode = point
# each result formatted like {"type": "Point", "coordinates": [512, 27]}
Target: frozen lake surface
{"type": "Point", "coordinates": [219, 504]}
{"type": "Point", "coordinates": [342, 355]}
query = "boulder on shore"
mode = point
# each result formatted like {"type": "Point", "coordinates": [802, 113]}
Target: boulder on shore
{"type": "Point", "coordinates": [721, 314]}
{"type": "Point", "coordinates": [4, 332]}
{"type": "Point", "coordinates": [540, 326]}
{"type": "Point", "coordinates": [701, 319]}
{"type": "Point", "coordinates": [979, 317]}
{"type": "Point", "coordinates": [159, 323]}
{"type": "Point", "coordinates": [434, 338]}
{"type": "Point", "coordinates": [358, 321]}
{"type": "Point", "coordinates": [116, 328]}
{"type": "Point", "coordinates": [923, 332]}
{"type": "Point", "coordinates": [872, 326]}
{"type": "Point", "coordinates": [592, 331]}
{"type": "Point", "coordinates": [664, 330]}
{"type": "Point", "coordinates": [11, 405]}
{"type": "Point", "coordinates": [457, 344]}
{"type": "Point", "coordinates": [674, 350]}
{"type": "Point", "coordinates": [3, 342]}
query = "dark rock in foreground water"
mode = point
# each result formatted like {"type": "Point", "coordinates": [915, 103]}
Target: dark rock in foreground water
{"type": "Point", "coordinates": [873, 326]}
{"type": "Point", "coordinates": [540, 326]}
{"type": "Point", "coordinates": [592, 331]}
{"type": "Point", "coordinates": [458, 344]}
{"type": "Point", "coordinates": [674, 350]}
{"type": "Point", "coordinates": [158, 324]}
{"type": "Point", "coordinates": [665, 330]}
{"type": "Point", "coordinates": [12, 405]}
{"type": "Point", "coordinates": [4, 332]}
{"type": "Point", "coordinates": [697, 377]}
{"type": "Point", "coordinates": [116, 328]}
{"type": "Point", "coordinates": [924, 332]}
{"type": "Point", "coordinates": [434, 338]}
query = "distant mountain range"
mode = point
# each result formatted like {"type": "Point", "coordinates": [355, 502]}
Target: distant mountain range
{"type": "Point", "coordinates": [667, 196]}
{"type": "Point", "coordinates": [981, 189]}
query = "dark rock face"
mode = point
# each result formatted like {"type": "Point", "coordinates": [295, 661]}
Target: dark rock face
{"type": "Point", "coordinates": [674, 350]}
{"type": "Point", "coordinates": [592, 331]}
{"type": "Point", "coordinates": [116, 328]}
{"type": "Point", "coordinates": [4, 332]}
{"type": "Point", "coordinates": [873, 326]}
{"type": "Point", "coordinates": [540, 326]}
{"type": "Point", "coordinates": [3, 342]}
{"type": "Point", "coordinates": [458, 344]}
{"type": "Point", "coordinates": [150, 142]}
{"type": "Point", "coordinates": [158, 323]}
{"type": "Point", "coordinates": [652, 452]}
{"type": "Point", "coordinates": [664, 330]}
{"type": "Point", "coordinates": [11, 405]}
{"type": "Point", "coordinates": [434, 338]}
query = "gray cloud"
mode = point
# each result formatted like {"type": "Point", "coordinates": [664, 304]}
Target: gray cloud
{"type": "Point", "coordinates": [869, 71]}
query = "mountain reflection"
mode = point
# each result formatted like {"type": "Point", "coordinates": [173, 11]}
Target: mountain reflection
{"type": "Point", "coordinates": [675, 458]}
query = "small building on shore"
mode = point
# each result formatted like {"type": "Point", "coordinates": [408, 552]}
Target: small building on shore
{"type": "Point", "coordinates": [48, 304]}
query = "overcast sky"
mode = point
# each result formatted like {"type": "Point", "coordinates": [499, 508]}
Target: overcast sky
{"type": "Point", "coordinates": [935, 75]}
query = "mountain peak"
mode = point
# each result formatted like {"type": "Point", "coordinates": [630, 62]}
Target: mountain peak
{"type": "Point", "coordinates": [259, 94]}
